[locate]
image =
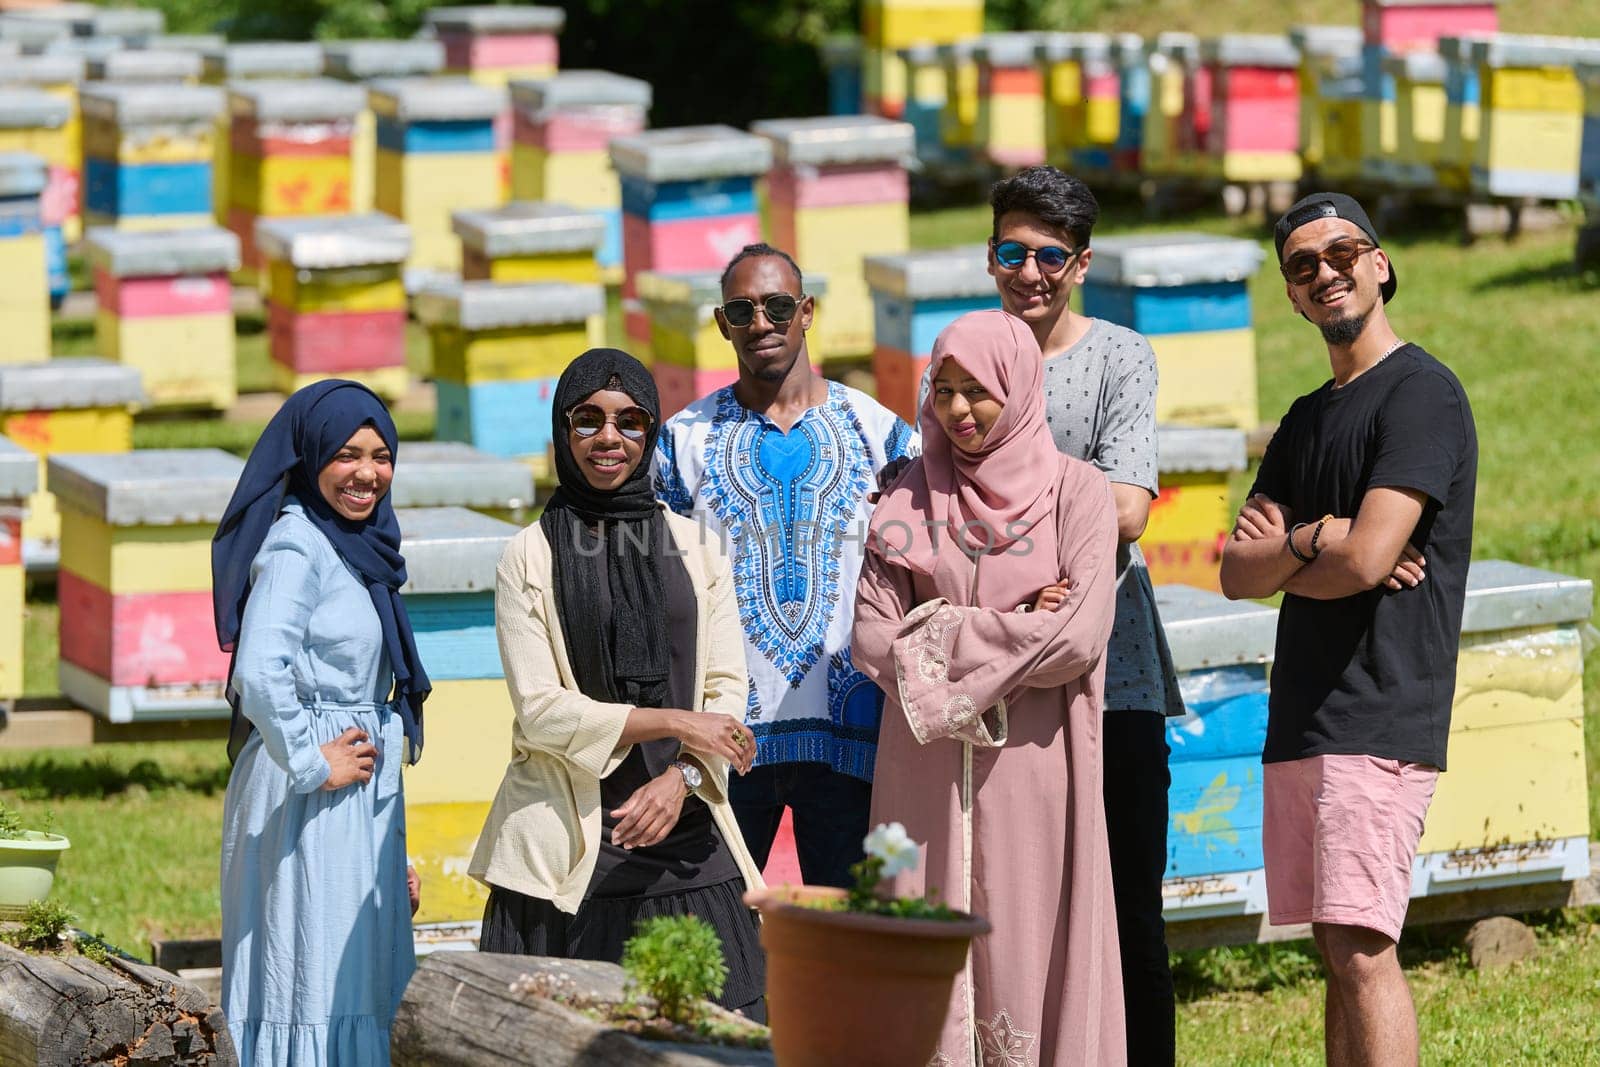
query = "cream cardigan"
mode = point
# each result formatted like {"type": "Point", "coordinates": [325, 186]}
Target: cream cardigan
{"type": "Point", "coordinates": [542, 837]}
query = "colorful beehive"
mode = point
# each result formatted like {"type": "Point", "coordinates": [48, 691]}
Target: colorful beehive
{"type": "Point", "coordinates": [138, 636]}
{"type": "Point", "coordinates": [64, 405]}
{"type": "Point", "coordinates": [24, 258]}
{"type": "Point", "coordinates": [914, 296]}
{"type": "Point", "coordinates": [1084, 93]}
{"type": "Point", "coordinates": [1255, 129]}
{"type": "Point", "coordinates": [227, 64]}
{"type": "Point", "coordinates": [1191, 517]}
{"type": "Point", "coordinates": [688, 204]}
{"type": "Point", "coordinates": [165, 307]}
{"type": "Point", "coordinates": [34, 122]}
{"type": "Point", "coordinates": [534, 242]}
{"type": "Point", "coordinates": [364, 61]}
{"type": "Point", "coordinates": [1170, 54]}
{"type": "Point", "coordinates": [59, 76]}
{"type": "Point", "coordinates": [149, 67]}
{"type": "Point", "coordinates": [19, 480]}
{"type": "Point", "coordinates": [1514, 805]}
{"type": "Point", "coordinates": [890, 25]}
{"type": "Point", "coordinates": [290, 153]}
{"type": "Point", "coordinates": [451, 556]}
{"type": "Point", "coordinates": [496, 44]}
{"type": "Point", "coordinates": [1011, 100]}
{"type": "Point", "coordinates": [838, 191]}
{"type": "Point", "coordinates": [498, 349]}
{"type": "Point", "coordinates": [439, 474]}
{"type": "Point", "coordinates": [1327, 54]}
{"type": "Point", "coordinates": [147, 154]}
{"type": "Point", "coordinates": [1134, 89]}
{"type": "Point", "coordinates": [841, 58]}
{"type": "Point", "coordinates": [1412, 25]}
{"type": "Point", "coordinates": [1419, 111]}
{"type": "Point", "coordinates": [561, 127]}
{"type": "Point", "coordinates": [1221, 649]}
{"type": "Point", "coordinates": [1189, 294]}
{"type": "Point", "coordinates": [336, 302]}
{"type": "Point", "coordinates": [436, 155]}
{"type": "Point", "coordinates": [1530, 138]}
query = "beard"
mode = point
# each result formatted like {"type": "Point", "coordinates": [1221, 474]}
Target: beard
{"type": "Point", "coordinates": [1343, 331]}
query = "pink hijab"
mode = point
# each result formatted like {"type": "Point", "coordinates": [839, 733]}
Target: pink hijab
{"type": "Point", "coordinates": [993, 499]}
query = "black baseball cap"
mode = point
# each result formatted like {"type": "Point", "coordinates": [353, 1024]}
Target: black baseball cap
{"type": "Point", "coordinates": [1330, 206]}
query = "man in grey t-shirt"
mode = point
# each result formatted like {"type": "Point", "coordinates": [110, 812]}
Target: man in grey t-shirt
{"type": "Point", "coordinates": [1100, 399]}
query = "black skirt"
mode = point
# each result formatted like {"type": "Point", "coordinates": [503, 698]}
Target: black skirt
{"type": "Point", "coordinates": [527, 926]}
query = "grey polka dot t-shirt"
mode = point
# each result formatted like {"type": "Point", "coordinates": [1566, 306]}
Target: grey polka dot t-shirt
{"type": "Point", "coordinates": [1100, 401]}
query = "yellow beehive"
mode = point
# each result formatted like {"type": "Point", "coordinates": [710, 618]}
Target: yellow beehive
{"type": "Point", "coordinates": [376, 287]}
{"type": "Point", "coordinates": [19, 480]}
{"type": "Point", "coordinates": [24, 266]}
{"type": "Point", "coordinates": [1328, 54]}
{"type": "Point", "coordinates": [247, 61]}
{"type": "Point", "coordinates": [64, 405]}
{"type": "Point", "coordinates": [485, 332]}
{"type": "Point", "coordinates": [364, 61]}
{"type": "Point", "coordinates": [436, 155]}
{"type": "Point", "coordinates": [1531, 121]}
{"type": "Point", "coordinates": [1516, 751]}
{"type": "Point", "coordinates": [1191, 516]}
{"type": "Point", "coordinates": [1420, 106]}
{"type": "Point", "coordinates": [958, 122]}
{"type": "Point", "coordinates": [1207, 378]}
{"type": "Point", "coordinates": [534, 242]}
{"type": "Point", "coordinates": [1168, 56]}
{"type": "Point", "coordinates": [391, 383]}
{"type": "Point", "coordinates": [1462, 114]}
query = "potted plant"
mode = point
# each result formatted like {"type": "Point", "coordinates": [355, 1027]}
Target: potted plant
{"type": "Point", "coordinates": [27, 862]}
{"type": "Point", "coordinates": [858, 976]}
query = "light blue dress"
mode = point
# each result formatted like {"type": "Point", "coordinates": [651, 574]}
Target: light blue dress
{"type": "Point", "coordinates": [316, 919]}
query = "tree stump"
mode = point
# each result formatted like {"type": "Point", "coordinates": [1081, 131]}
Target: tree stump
{"type": "Point", "coordinates": [66, 1011]}
{"type": "Point", "coordinates": [459, 1011]}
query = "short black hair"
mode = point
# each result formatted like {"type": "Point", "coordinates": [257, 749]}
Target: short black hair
{"type": "Point", "coordinates": [1057, 198]}
{"type": "Point", "coordinates": [761, 250]}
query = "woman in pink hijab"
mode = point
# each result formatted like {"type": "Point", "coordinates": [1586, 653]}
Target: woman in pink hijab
{"type": "Point", "coordinates": [983, 612]}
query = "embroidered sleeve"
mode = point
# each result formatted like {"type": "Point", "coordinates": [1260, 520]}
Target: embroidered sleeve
{"type": "Point", "coordinates": [935, 706]}
{"type": "Point", "coordinates": [668, 479]}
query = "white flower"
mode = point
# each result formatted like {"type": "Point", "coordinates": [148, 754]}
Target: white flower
{"type": "Point", "coordinates": [891, 845]}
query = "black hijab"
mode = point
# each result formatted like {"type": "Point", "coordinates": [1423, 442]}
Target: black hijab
{"type": "Point", "coordinates": [302, 438]}
{"type": "Point", "coordinates": [624, 658]}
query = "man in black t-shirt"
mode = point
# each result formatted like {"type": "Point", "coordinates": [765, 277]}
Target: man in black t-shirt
{"type": "Point", "coordinates": [1361, 514]}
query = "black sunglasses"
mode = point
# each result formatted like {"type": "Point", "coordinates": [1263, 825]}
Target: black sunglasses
{"type": "Point", "coordinates": [779, 308]}
{"type": "Point", "coordinates": [1302, 267]}
{"type": "Point", "coordinates": [587, 420]}
{"type": "Point", "coordinates": [1052, 259]}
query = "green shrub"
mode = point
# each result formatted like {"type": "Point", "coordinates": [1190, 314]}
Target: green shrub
{"type": "Point", "coordinates": [677, 960]}
{"type": "Point", "coordinates": [14, 828]}
{"type": "Point", "coordinates": [42, 925]}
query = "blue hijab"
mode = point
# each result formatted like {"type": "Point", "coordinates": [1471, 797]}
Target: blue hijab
{"type": "Point", "coordinates": [302, 438]}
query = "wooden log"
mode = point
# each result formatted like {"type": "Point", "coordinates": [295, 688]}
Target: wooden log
{"type": "Point", "coordinates": [459, 1011]}
{"type": "Point", "coordinates": [69, 1010]}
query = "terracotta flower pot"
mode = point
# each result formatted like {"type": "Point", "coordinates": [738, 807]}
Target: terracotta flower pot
{"type": "Point", "coordinates": [848, 988]}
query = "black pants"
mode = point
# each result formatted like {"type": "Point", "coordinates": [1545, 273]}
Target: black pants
{"type": "Point", "coordinates": [1136, 782]}
{"type": "Point", "coordinates": [830, 816]}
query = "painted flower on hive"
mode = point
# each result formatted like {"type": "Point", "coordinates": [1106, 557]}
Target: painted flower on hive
{"type": "Point", "coordinates": [890, 843]}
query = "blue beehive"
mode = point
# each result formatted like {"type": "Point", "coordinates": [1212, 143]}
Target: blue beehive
{"type": "Point", "coordinates": [1221, 650]}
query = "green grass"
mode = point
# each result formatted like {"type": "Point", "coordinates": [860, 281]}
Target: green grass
{"type": "Point", "coordinates": [145, 822]}
{"type": "Point", "coordinates": [1538, 1011]}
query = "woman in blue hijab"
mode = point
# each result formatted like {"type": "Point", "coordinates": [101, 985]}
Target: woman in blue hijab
{"type": "Point", "coordinates": [327, 695]}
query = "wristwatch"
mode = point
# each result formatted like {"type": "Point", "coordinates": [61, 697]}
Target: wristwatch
{"type": "Point", "coordinates": [691, 775]}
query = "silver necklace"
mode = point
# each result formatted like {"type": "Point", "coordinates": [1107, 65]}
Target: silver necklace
{"type": "Point", "coordinates": [1398, 344]}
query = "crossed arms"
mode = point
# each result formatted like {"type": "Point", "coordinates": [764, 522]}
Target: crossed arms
{"type": "Point", "coordinates": [1352, 556]}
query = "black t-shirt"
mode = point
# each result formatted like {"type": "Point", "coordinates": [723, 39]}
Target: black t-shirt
{"type": "Point", "coordinates": [1374, 673]}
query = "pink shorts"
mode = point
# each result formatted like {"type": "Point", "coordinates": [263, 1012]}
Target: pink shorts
{"type": "Point", "coordinates": [1339, 834]}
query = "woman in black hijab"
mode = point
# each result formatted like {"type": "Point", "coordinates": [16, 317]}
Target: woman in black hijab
{"type": "Point", "coordinates": [620, 637]}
